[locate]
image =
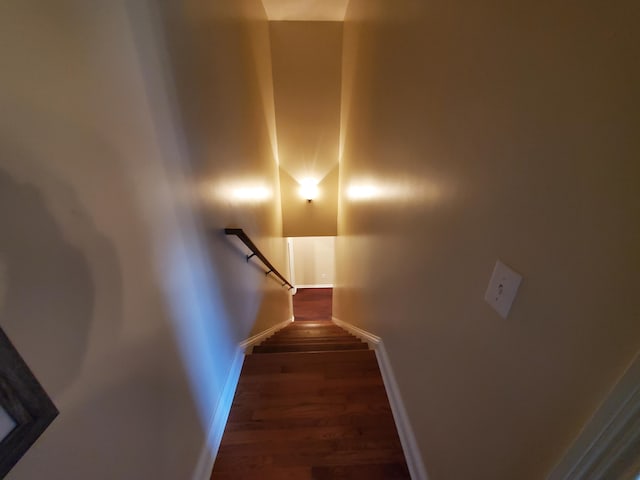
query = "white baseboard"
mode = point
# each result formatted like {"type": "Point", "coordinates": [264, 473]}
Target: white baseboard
{"type": "Point", "coordinates": [608, 437]}
{"type": "Point", "coordinates": [370, 338]}
{"type": "Point", "coordinates": [405, 432]}
{"type": "Point", "coordinates": [251, 341]}
{"type": "Point", "coordinates": [317, 285]}
{"type": "Point", "coordinates": [219, 420]}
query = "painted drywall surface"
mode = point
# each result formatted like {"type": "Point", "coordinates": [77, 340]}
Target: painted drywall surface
{"type": "Point", "coordinates": [314, 260]}
{"type": "Point", "coordinates": [221, 90]}
{"type": "Point", "coordinates": [474, 132]}
{"type": "Point", "coordinates": [306, 10]}
{"type": "Point", "coordinates": [118, 288]}
{"type": "Point", "coordinates": [307, 85]}
{"type": "Point", "coordinates": [307, 88]}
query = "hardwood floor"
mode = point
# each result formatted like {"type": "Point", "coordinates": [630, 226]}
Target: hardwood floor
{"type": "Point", "coordinates": [313, 303]}
{"type": "Point", "coordinates": [310, 404]}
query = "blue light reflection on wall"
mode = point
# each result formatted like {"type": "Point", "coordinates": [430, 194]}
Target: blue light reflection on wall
{"type": "Point", "coordinates": [200, 322]}
{"type": "Point", "coordinates": [205, 330]}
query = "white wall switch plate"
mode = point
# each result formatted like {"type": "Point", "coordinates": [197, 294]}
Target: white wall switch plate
{"type": "Point", "coordinates": [502, 288]}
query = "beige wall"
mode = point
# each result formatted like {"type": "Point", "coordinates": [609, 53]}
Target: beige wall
{"type": "Point", "coordinates": [481, 131]}
{"type": "Point", "coordinates": [313, 260]}
{"type": "Point", "coordinates": [307, 88]}
{"type": "Point", "coordinates": [117, 286]}
{"type": "Point", "coordinates": [305, 10]}
{"type": "Point", "coordinates": [221, 60]}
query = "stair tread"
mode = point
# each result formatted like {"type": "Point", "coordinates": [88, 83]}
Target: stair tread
{"type": "Point", "coordinates": [339, 357]}
{"type": "Point", "coordinates": [310, 336]}
{"type": "Point", "coordinates": [310, 342]}
{"type": "Point", "coordinates": [313, 339]}
{"type": "Point", "coordinates": [310, 347]}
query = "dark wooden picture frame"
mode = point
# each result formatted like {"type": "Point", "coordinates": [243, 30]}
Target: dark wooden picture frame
{"type": "Point", "coordinates": [26, 402]}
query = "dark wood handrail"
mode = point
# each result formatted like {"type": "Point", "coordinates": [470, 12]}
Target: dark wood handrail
{"type": "Point", "coordinates": [255, 252]}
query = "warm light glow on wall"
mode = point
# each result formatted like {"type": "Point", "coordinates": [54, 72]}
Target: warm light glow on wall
{"type": "Point", "coordinates": [249, 194]}
{"type": "Point", "coordinates": [363, 192]}
{"type": "Point", "coordinates": [415, 191]}
{"type": "Point", "coordinates": [238, 192]}
{"type": "Point", "coordinates": [309, 189]}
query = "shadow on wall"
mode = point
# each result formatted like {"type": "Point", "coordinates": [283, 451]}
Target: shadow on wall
{"type": "Point", "coordinates": [106, 435]}
{"type": "Point", "coordinates": [208, 80]}
{"type": "Point", "coordinates": [47, 291]}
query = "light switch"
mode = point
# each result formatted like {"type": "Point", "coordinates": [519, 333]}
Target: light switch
{"type": "Point", "coordinates": [502, 288]}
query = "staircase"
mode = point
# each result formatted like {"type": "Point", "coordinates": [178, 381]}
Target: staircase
{"type": "Point", "coordinates": [310, 336]}
{"type": "Point", "coordinates": [310, 404]}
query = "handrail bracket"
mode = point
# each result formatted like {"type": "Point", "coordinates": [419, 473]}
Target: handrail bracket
{"type": "Point", "coordinates": [255, 252]}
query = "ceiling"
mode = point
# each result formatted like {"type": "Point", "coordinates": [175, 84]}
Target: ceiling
{"type": "Point", "coordinates": [306, 10]}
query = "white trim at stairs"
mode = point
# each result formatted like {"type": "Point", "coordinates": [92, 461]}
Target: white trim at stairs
{"type": "Point", "coordinates": [608, 436]}
{"type": "Point", "coordinates": [405, 432]}
{"type": "Point", "coordinates": [251, 341]}
{"type": "Point", "coordinates": [219, 419]}
{"type": "Point", "coordinates": [317, 285]}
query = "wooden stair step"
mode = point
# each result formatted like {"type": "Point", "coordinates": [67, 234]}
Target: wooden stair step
{"type": "Point", "coordinates": [316, 335]}
{"type": "Point", "coordinates": [312, 360]}
{"type": "Point", "coordinates": [313, 324]}
{"type": "Point", "coordinates": [309, 337]}
{"type": "Point", "coordinates": [312, 331]}
{"type": "Point", "coordinates": [310, 347]}
{"type": "Point", "coordinates": [294, 341]}
{"type": "Point", "coordinates": [310, 342]}
{"type": "Point", "coordinates": [329, 370]}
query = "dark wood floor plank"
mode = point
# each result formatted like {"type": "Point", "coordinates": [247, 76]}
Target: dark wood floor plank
{"type": "Point", "coordinates": [312, 303]}
{"type": "Point", "coordinates": [357, 421]}
{"type": "Point", "coordinates": [330, 432]}
{"type": "Point", "coordinates": [263, 472]}
{"type": "Point", "coordinates": [388, 471]}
